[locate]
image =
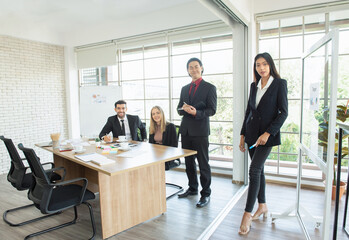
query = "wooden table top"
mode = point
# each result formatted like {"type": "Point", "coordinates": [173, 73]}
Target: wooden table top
{"type": "Point", "coordinates": [144, 154]}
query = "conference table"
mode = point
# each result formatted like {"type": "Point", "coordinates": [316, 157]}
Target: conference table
{"type": "Point", "coordinates": [131, 190]}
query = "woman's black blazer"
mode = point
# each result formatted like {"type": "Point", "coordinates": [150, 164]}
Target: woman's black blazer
{"type": "Point", "coordinates": [269, 116]}
{"type": "Point", "coordinates": [169, 137]}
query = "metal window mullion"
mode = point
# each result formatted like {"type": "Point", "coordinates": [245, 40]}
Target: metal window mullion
{"type": "Point", "coordinates": [278, 154]}
{"type": "Point", "coordinates": [170, 83]}
{"type": "Point", "coordinates": [327, 27]}
{"type": "Point", "coordinates": [119, 66]}
{"type": "Point", "coordinates": [144, 92]}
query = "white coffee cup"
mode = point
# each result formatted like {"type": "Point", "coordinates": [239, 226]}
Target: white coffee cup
{"type": "Point", "coordinates": [122, 138]}
{"type": "Point", "coordinates": [78, 148]}
{"type": "Point", "coordinates": [124, 145]}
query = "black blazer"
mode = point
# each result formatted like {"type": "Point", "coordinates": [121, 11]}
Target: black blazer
{"type": "Point", "coordinates": [169, 137]}
{"type": "Point", "coordinates": [205, 102]}
{"type": "Point", "coordinates": [269, 116]}
{"type": "Point", "coordinates": [134, 122]}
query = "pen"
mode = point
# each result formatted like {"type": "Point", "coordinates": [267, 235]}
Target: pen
{"type": "Point", "coordinates": [253, 146]}
{"type": "Point", "coordinates": [185, 103]}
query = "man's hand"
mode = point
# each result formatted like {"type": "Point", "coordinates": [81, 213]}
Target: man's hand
{"type": "Point", "coordinates": [189, 109]}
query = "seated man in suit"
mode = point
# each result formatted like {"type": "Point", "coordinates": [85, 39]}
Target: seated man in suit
{"type": "Point", "coordinates": [123, 124]}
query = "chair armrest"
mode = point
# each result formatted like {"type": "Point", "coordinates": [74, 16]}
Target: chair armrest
{"type": "Point", "coordinates": [84, 186]}
{"type": "Point", "coordinates": [57, 169]}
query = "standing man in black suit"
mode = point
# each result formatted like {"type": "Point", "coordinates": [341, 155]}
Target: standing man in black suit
{"type": "Point", "coordinates": [198, 102]}
{"type": "Point", "coordinates": [123, 124]}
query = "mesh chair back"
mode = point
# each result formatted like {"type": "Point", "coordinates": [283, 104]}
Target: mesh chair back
{"type": "Point", "coordinates": [17, 169]}
{"type": "Point", "coordinates": [42, 181]}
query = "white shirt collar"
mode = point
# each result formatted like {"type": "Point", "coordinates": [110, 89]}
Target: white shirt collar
{"type": "Point", "coordinates": [270, 80]}
{"type": "Point", "coordinates": [125, 118]}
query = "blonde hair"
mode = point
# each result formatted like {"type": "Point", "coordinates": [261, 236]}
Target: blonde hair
{"type": "Point", "coordinates": [153, 124]}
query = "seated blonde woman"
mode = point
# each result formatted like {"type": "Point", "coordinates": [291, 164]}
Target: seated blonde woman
{"type": "Point", "coordinates": [160, 131]}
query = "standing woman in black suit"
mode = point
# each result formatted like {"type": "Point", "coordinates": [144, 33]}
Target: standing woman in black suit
{"type": "Point", "coordinates": [266, 111]}
{"type": "Point", "coordinates": [160, 131]}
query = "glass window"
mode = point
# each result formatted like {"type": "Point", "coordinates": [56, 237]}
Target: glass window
{"type": "Point", "coordinates": [292, 121]}
{"type": "Point", "coordinates": [290, 70]}
{"type": "Point", "coordinates": [98, 76]}
{"type": "Point", "coordinates": [221, 132]}
{"type": "Point", "coordinates": [223, 83]}
{"type": "Point", "coordinates": [175, 115]}
{"type": "Point", "coordinates": [156, 88]}
{"type": "Point", "coordinates": [156, 51]}
{"type": "Point", "coordinates": [291, 47]}
{"type": "Point", "coordinates": [89, 76]}
{"type": "Point", "coordinates": [224, 109]}
{"type": "Point", "coordinates": [186, 47]}
{"type": "Point", "coordinates": [179, 64]}
{"type": "Point", "coordinates": [311, 39]}
{"type": "Point", "coordinates": [343, 77]}
{"type": "Point", "coordinates": [132, 70]}
{"type": "Point", "coordinates": [217, 43]}
{"type": "Point", "coordinates": [135, 107]}
{"type": "Point", "coordinates": [132, 54]}
{"type": "Point", "coordinates": [291, 26]}
{"type": "Point", "coordinates": [343, 42]}
{"type": "Point", "coordinates": [339, 19]}
{"type": "Point", "coordinates": [269, 29]}
{"type": "Point", "coordinates": [178, 83]}
{"type": "Point", "coordinates": [133, 89]}
{"type": "Point", "coordinates": [314, 23]}
{"type": "Point", "coordinates": [218, 61]}
{"type": "Point", "coordinates": [156, 67]}
{"type": "Point", "coordinates": [271, 46]}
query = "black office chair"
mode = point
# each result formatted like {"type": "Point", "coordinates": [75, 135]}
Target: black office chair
{"type": "Point", "coordinates": [22, 179]}
{"type": "Point", "coordinates": [173, 164]}
{"type": "Point", "coordinates": [55, 197]}
{"type": "Point", "coordinates": [139, 134]}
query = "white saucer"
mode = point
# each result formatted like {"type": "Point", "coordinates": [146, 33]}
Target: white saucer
{"type": "Point", "coordinates": [120, 141]}
{"type": "Point", "coordinates": [81, 151]}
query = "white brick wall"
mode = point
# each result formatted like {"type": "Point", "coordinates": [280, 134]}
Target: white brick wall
{"type": "Point", "coordinates": [32, 95]}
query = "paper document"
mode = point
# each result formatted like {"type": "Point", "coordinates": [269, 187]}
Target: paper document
{"type": "Point", "coordinates": [95, 158]}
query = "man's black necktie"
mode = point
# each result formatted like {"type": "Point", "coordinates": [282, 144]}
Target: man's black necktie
{"type": "Point", "coordinates": [123, 128]}
{"type": "Point", "coordinates": [191, 95]}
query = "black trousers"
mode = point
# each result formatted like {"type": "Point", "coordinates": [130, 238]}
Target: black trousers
{"type": "Point", "coordinates": [200, 144]}
{"type": "Point", "coordinates": [257, 179]}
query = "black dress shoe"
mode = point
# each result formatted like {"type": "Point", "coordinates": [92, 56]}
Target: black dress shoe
{"type": "Point", "coordinates": [203, 202]}
{"type": "Point", "coordinates": [187, 193]}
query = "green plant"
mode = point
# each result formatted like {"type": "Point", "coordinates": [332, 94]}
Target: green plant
{"type": "Point", "coordinates": [97, 140]}
{"type": "Point", "coordinates": [343, 116]}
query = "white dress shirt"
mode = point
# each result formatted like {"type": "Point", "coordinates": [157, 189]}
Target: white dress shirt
{"type": "Point", "coordinates": [261, 91]}
{"type": "Point", "coordinates": [127, 127]}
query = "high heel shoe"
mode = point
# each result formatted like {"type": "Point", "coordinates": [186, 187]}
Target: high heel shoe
{"type": "Point", "coordinates": [244, 229]}
{"type": "Point", "coordinates": [257, 215]}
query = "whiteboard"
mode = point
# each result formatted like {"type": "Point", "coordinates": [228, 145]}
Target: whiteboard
{"type": "Point", "coordinates": [96, 105]}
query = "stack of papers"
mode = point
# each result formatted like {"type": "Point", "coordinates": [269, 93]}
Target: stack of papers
{"type": "Point", "coordinates": [95, 158]}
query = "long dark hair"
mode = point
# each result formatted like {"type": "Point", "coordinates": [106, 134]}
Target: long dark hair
{"type": "Point", "coordinates": [270, 61]}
